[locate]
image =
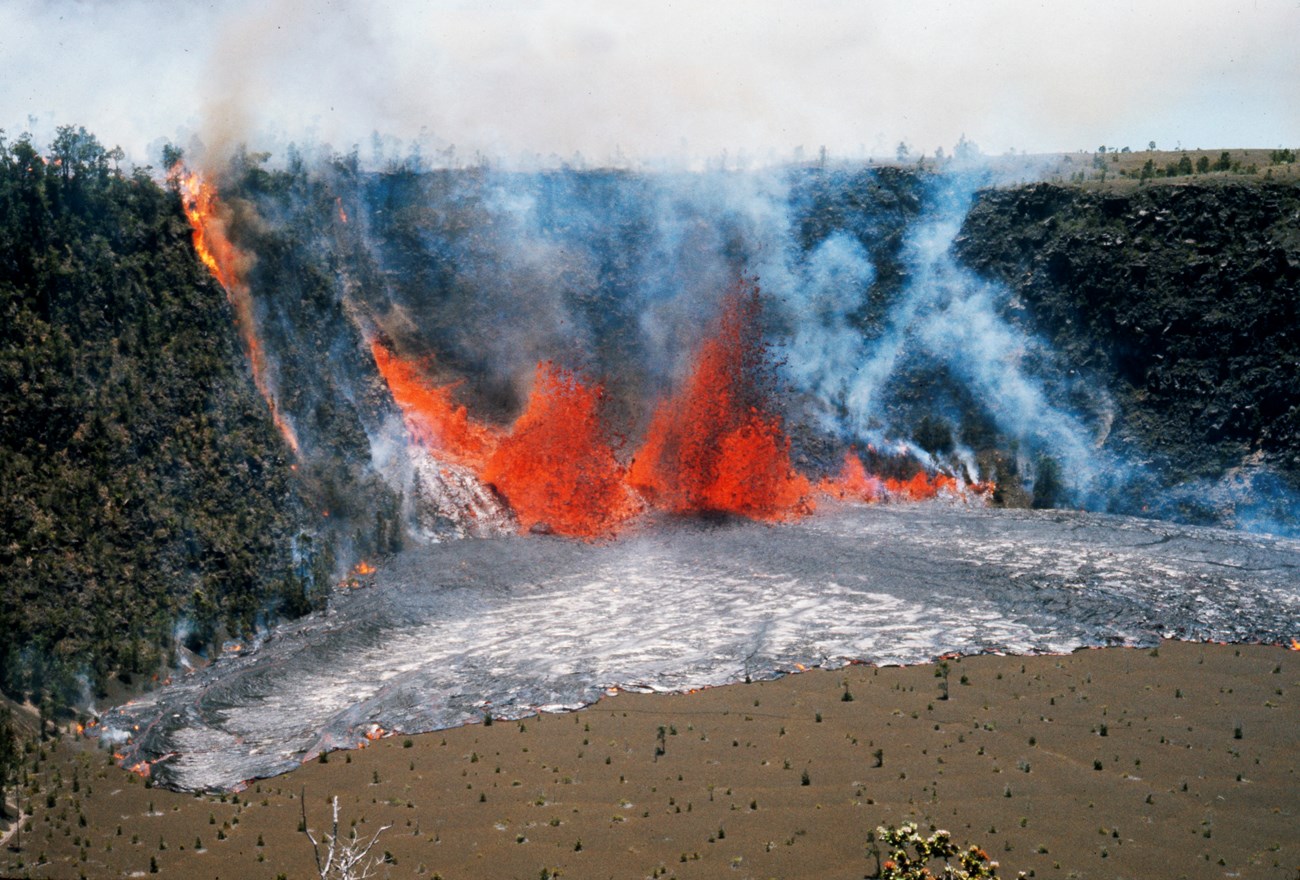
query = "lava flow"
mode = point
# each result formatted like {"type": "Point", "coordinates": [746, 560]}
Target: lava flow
{"type": "Point", "coordinates": [853, 483]}
{"type": "Point", "coordinates": [922, 486]}
{"type": "Point", "coordinates": [713, 447]}
{"type": "Point", "coordinates": [223, 260]}
{"type": "Point", "coordinates": [431, 415]}
{"type": "Point", "coordinates": [557, 468]}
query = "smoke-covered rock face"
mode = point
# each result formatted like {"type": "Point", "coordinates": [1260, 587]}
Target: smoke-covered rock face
{"type": "Point", "coordinates": [928, 323]}
{"type": "Point", "coordinates": [1181, 302]}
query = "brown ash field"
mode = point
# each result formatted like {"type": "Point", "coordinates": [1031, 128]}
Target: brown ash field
{"type": "Point", "coordinates": [1177, 761]}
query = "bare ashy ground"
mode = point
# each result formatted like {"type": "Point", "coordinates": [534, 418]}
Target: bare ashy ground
{"type": "Point", "coordinates": [1117, 169]}
{"type": "Point", "coordinates": [1176, 762]}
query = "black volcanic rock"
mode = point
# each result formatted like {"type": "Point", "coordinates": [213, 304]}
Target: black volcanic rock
{"type": "Point", "coordinates": [1182, 299]}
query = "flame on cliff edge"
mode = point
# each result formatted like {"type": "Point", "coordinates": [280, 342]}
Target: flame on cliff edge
{"type": "Point", "coordinates": [224, 260]}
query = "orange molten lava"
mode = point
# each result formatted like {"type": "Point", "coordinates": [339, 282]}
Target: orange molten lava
{"type": "Point", "coordinates": [432, 418]}
{"type": "Point", "coordinates": [223, 260]}
{"type": "Point", "coordinates": [921, 487]}
{"type": "Point", "coordinates": [557, 468]}
{"type": "Point", "coordinates": [853, 483]}
{"type": "Point", "coordinates": [712, 447]}
{"type": "Point", "coordinates": [216, 251]}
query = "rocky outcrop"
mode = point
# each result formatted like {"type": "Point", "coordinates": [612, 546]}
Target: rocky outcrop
{"type": "Point", "coordinates": [1181, 299]}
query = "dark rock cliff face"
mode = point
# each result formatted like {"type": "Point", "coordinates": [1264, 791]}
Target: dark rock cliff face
{"type": "Point", "coordinates": [1181, 299]}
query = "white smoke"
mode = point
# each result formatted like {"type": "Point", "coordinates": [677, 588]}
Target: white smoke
{"type": "Point", "coordinates": [944, 313]}
{"type": "Point", "coordinates": [823, 344]}
{"type": "Point", "coordinates": [558, 78]}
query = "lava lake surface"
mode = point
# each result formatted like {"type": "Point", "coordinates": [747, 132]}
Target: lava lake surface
{"type": "Point", "coordinates": [450, 633]}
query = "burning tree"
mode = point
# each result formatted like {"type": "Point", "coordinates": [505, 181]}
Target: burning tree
{"type": "Point", "coordinates": [343, 859]}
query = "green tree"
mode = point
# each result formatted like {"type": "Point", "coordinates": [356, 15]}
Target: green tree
{"type": "Point", "coordinates": [1048, 485]}
{"type": "Point", "coordinates": [10, 756]}
{"type": "Point", "coordinates": [141, 468]}
{"type": "Point", "coordinates": [965, 150]}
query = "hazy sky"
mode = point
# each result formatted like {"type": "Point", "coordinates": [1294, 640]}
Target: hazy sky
{"type": "Point", "coordinates": [757, 78]}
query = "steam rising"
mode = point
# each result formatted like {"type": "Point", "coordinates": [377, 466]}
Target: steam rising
{"type": "Point", "coordinates": [944, 313]}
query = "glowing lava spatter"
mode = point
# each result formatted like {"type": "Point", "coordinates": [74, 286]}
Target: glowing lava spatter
{"type": "Point", "coordinates": [432, 417]}
{"type": "Point", "coordinates": [921, 486]}
{"type": "Point", "coordinates": [712, 446]}
{"type": "Point", "coordinates": [557, 467]}
{"type": "Point", "coordinates": [223, 259]}
{"type": "Point", "coordinates": [853, 483]}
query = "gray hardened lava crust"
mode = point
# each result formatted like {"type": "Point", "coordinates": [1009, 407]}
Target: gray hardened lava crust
{"type": "Point", "coordinates": [453, 632]}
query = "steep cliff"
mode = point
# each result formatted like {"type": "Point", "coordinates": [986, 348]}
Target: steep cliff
{"type": "Point", "coordinates": [1180, 298]}
{"type": "Point", "coordinates": [142, 479]}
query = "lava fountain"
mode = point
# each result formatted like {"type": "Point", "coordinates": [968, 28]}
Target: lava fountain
{"type": "Point", "coordinates": [431, 415]}
{"type": "Point", "coordinates": [558, 468]}
{"type": "Point", "coordinates": [853, 482]}
{"type": "Point", "coordinates": [714, 446]}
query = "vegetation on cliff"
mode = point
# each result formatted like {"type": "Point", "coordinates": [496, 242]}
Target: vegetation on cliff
{"type": "Point", "coordinates": [142, 476]}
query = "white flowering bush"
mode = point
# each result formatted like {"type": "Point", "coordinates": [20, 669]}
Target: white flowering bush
{"type": "Point", "coordinates": [903, 854]}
